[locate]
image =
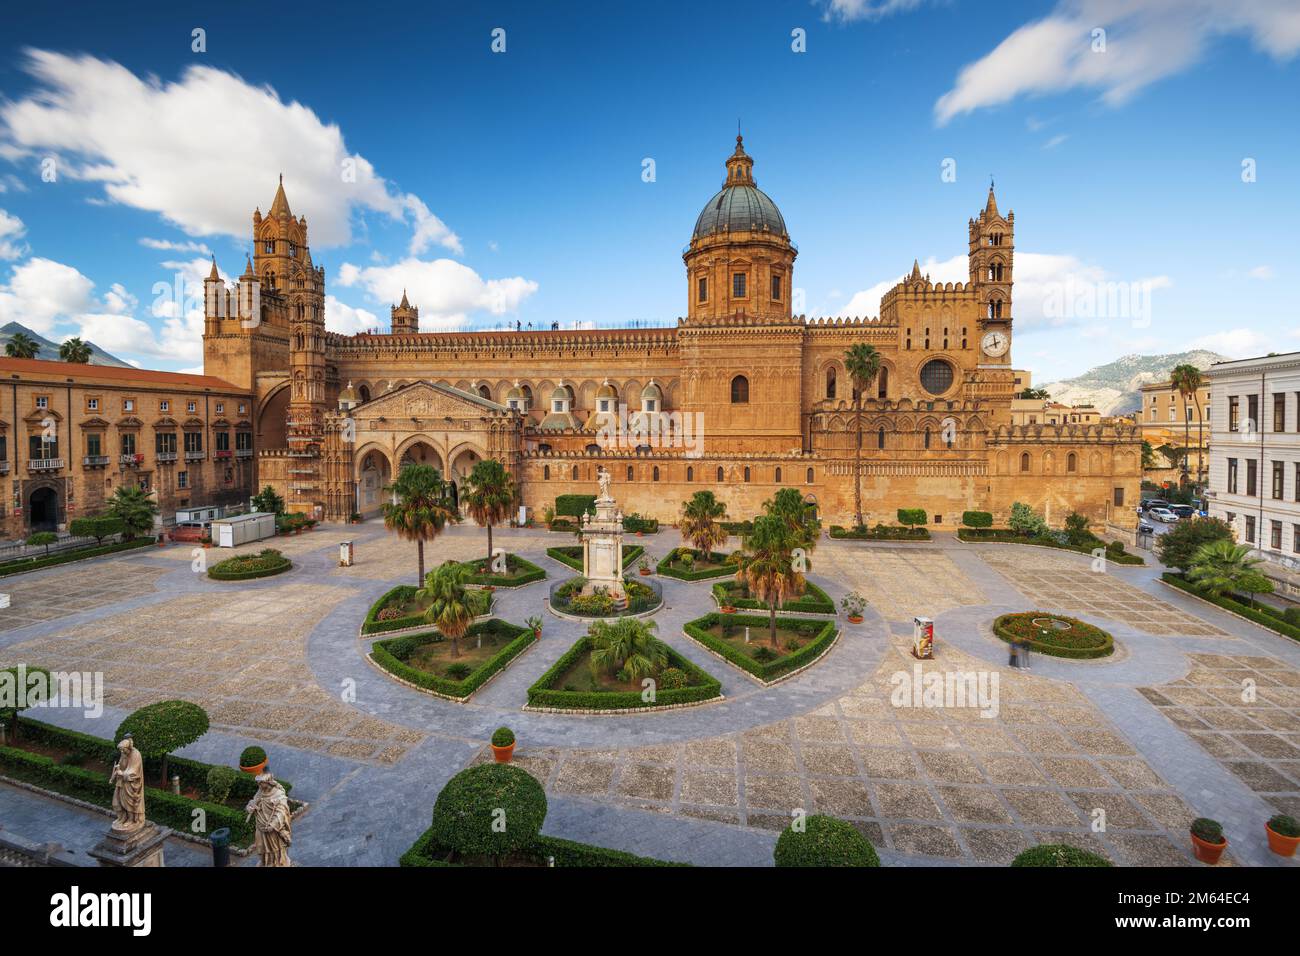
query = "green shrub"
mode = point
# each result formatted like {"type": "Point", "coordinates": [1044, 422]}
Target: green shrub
{"type": "Point", "coordinates": [1292, 616]}
{"type": "Point", "coordinates": [503, 737]}
{"type": "Point", "coordinates": [468, 812]}
{"type": "Point", "coordinates": [824, 841]}
{"type": "Point", "coordinates": [574, 505]}
{"type": "Point", "coordinates": [702, 686]}
{"type": "Point", "coordinates": [252, 757]}
{"type": "Point", "coordinates": [911, 516]}
{"type": "Point", "coordinates": [393, 654]}
{"type": "Point", "coordinates": [98, 527]}
{"type": "Point", "coordinates": [1058, 854]}
{"type": "Point", "coordinates": [634, 523]}
{"type": "Point", "coordinates": [1211, 831]}
{"type": "Point", "coordinates": [458, 671]}
{"type": "Point", "coordinates": [220, 781]}
{"type": "Point", "coordinates": [764, 664]}
{"type": "Point", "coordinates": [977, 519]}
{"type": "Point", "coordinates": [158, 729]}
{"type": "Point", "coordinates": [1261, 615]}
{"type": "Point", "coordinates": [1284, 825]}
{"type": "Point", "coordinates": [1026, 521]}
{"type": "Point", "coordinates": [1177, 547]}
{"type": "Point", "coordinates": [673, 678]}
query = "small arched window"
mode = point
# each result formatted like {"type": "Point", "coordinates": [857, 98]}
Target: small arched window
{"type": "Point", "coordinates": [927, 437]}
{"type": "Point", "coordinates": [809, 477]}
{"type": "Point", "coordinates": [1024, 461]}
{"type": "Point", "coordinates": [593, 449]}
{"type": "Point", "coordinates": [740, 390]}
{"type": "Point", "coordinates": [1071, 462]}
{"type": "Point", "coordinates": [880, 437]}
{"type": "Point", "coordinates": [830, 382]}
{"type": "Point", "coordinates": [778, 476]}
{"type": "Point", "coordinates": [882, 383]}
{"type": "Point", "coordinates": [546, 471]}
{"type": "Point", "coordinates": [747, 474]}
{"type": "Point", "coordinates": [364, 392]}
{"type": "Point", "coordinates": [629, 472]}
{"type": "Point", "coordinates": [719, 473]}
{"type": "Point", "coordinates": [655, 474]}
{"type": "Point", "coordinates": [484, 392]}
{"type": "Point", "coordinates": [575, 472]}
{"type": "Point", "coordinates": [690, 474]}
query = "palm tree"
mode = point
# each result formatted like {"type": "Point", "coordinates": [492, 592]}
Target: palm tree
{"type": "Point", "coordinates": [1220, 566]}
{"type": "Point", "coordinates": [768, 565]}
{"type": "Point", "coordinates": [420, 508]}
{"type": "Point", "coordinates": [22, 345]}
{"type": "Point", "coordinates": [449, 609]}
{"type": "Point", "coordinates": [627, 646]}
{"type": "Point", "coordinates": [1187, 379]}
{"type": "Point", "coordinates": [490, 495]}
{"type": "Point", "coordinates": [701, 517]}
{"type": "Point", "coordinates": [74, 350]}
{"type": "Point", "coordinates": [788, 505]}
{"type": "Point", "coordinates": [863, 364]}
{"type": "Point", "coordinates": [132, 506]}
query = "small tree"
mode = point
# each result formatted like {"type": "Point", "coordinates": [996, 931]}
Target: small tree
{"type": "Point", "coordinates": [471, 808]}
{"type": "Point", "coordinates": [824, 841]}
{"type": "Point", "coordinates": [268, 501]}
{"type": "Point", "coordinates": [1076, 528]}
{"type": "Point", "coordinates": [977, 519]}
{"type": "Point", "coordinates": [30, 693]}
{"type": "Point", "coordinates": [421, 508]}
{"type": "Point", "coordinates": [98, 527]}
{"type": "Point", "coordinates": [767, 566]}
{"type": "Point", "coordinates": [132, 506]}
{"type": "Point", "coordinates": [1026, 521]}
{"type": "Point", "coordinates": [1177, 547]}
{"type": "Point", "coordinates": [701, 522]}
{"type": "Point", "coordinates": [789, 506]}
{"type": "Point", "coordinates": [490, 492]}
{"type": "Point", "coordinates": [39, 538]}
{"type": "Point", "coordinates": [159, 729]}
{"type": "Point", "coordinates": [1252, 583]}
{"type": "Point", "coordinates": [74, 350]}
{"type": "Point", "coordinates": [911, 516]}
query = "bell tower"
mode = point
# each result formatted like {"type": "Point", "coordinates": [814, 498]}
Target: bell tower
{"type": "Point", "coordinates": [405, 317]}
{"type": "Point", "coordinates": [991, 259]}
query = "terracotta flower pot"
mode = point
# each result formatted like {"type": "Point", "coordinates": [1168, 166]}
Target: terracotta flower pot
{"type": "Point", "coordinates": [639, 534]}
{"type": "Point", "coordinates": [1208, 852]}
{"type": "Point", "coordinates": [537, 634]}
{"type": "Point", "coordinates": [645, 572]}
{"type": "Point", "coordinates": [255, 769]}
{"type": "Point", "coordinates": [503, 754]}
{"type": "Point", "coordinates": [855, 618]}
{"type": "Point", "coordinates": [727, 609]}
{"type": "Point", "coordinates": [1279, 844]}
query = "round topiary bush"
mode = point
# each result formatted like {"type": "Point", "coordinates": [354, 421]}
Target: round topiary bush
{"type": "Point", "coordinates": [158, 729]}
{"type": "Point", "coordinates": [490, 810]}
{"type": "Point", "coordinates": [220, 782]}
{"type": "Point", "coordinates": [825, 841]}
{"type": "Point", "coordinates": [1058, 854]}
{"type": "Point", "coordinates": [252, 757]}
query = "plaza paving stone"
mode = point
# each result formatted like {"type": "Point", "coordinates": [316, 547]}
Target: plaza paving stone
{"type": "Point", "coordinates": [1146, 741]}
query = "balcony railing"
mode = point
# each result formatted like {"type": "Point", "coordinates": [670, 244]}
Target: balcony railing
{"type": "Point", "coordinates": [195, 455]}
{"type": "Point", "coordinates": [131, 459]}
{"type": "Point", "coordinates": [4, 467]}
{"type": "Point", "coordinates": [95, 461]}
{"type": "Point", "coordinates": [221, 453]}
{"type": "Point", "coordinates": [45, 464]}
{"type": "Point", "coordinates": [165, 456]}
{"type": "Point", "coordinates": [243, 453]}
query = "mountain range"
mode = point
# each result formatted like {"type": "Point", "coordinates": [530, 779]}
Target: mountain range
{"type": "Point", "coordinates": [50, 350]}
{"type": "Point", "coordinates": [1113, 387]}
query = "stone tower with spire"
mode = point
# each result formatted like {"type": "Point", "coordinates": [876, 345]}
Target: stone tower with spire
{"type": "Point", "coordinates": [992, 246]}
{"type": "Point", "coordinates": [405, 317]}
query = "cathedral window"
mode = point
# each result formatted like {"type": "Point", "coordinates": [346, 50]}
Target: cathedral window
{"type": "Point", "coordinates": [702, 290]}
{"type": "Point", "coordinates": [747, 474]}
{"type": "Point", "coordinates": [575, 472]}
{"type": "Point", "coordinates": [629, 472]}
{"type": "Point", "coordinates": [880, 437]}
{"type": "Point", "coordinates": [809, 476]}
{"type": "Point", "coordinates": [936, 376]}
{"type": "Point", "coordinates": [830, 382]}
{"type": "Point", "coordinates": [293, 254]}
{"type": "Point", "coordinates": [1071, 462]}
{"type": "Point", "coordinates": [738, 285]}
{"type": "Point", "coordinates": [778, 476]}
{"type": "Point", "coordinates": [1024, 461]}
{"type": "Point", "coordinates": [740, 390]}
{"type": "Point", "coordinates": [882, 383]}
{"type": "Point", "coordinates": [546, 471]}
{"type": "Point", "coordinates": [719, 473]}
{"type": "Point", "coordinates": [927, 438]}
{"type": "Point", "coordinates": [776, 288]}
{"type": "Point", "coordinates": [655, 474]}
{"type": "Point", "coordinates": [268, 247]}
{"type": "Point", "coordinates": [690, 474]}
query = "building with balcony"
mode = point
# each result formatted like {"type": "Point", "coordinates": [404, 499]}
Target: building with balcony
{"type": "Point", "coordinates": [1180, 425]}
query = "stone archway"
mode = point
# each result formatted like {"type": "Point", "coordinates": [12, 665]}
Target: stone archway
{"type": "Point", "coordinates": [462, 460]}
{"type": "Point", "coordinates": [374, 474]}
{"type": "Point", "coordinates": [43, 510]}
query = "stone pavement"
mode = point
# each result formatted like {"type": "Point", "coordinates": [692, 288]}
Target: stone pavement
{"type": "Point", "coordinates": [279, 661]}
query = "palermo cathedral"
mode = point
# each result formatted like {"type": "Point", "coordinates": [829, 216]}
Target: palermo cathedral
{"type": "Point", "coordinates": [741, 396]}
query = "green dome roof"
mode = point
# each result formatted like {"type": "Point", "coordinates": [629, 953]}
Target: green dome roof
{"type": "Point", "coordinates": [740, 205]}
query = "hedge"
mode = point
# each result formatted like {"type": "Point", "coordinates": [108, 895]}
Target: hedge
{"type": "Point", "coordinates": [425, 852]}
{"type": "Point", "coordinates": [635, 523]}
{"type": "Point", "coordinates": [574, 505]}
{"type": "Point", "coordinates": [882, 532]}
{"type": "Point", "coordinates": [1081, 629]}
{"type": "Point", "coordinates": [772, 669]}
{"type": "Point", "coordinates": [1262, 618]}
{"type": "Point", "coordinates": [272, 562]}
{"type": "Point", "coordinates": [403, 593]}
{"type": "Point", "coordinates": [393, 653]}
{"type": "Point", "coordinates": [541, 694]}
{"type": "Point", "coordinates": [1007, 536]}
{"type": "Point", "coordinates": [665, 567]}
{"type": "Point", "coordinates": [35, 564]}
{"type": "Point", "coordinates": [98, 527]}
{"type": "Point", "coordinates": [813, 601]}
{"type": "Point", "coordinates": [824, 841]}
{"type": "Point", "coordinates": [1058, 854]}
{"type": "Point", "coordinates": [518, 573]}
{"type": "Point", "coordinates": [572, 555]}
{"type": "Point", "coordinates": [977, 519]}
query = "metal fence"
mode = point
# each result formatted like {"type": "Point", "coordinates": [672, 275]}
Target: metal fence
{"type": "Point", "coordinates": [14, 550]}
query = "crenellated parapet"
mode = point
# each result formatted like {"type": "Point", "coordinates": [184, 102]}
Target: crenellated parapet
{"type": "Point", "coordinates": [1106, 433]}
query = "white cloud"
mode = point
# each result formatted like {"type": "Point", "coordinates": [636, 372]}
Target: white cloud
{"type": "Point", "coordinates": [168, 245]}
{"type": "Point", "coordinates": [1145, 41]}
{"type": "Point", "coordinates": [11, 232]}
{"type": "Point", "coordinates": [1235, 343]}
{"type": "Point", "coordinates": [445, 291]}
{"type": "Point", "coordinates": [185, 149]}
{"type": "Point", "coordinates": [42, 292]}
{"type": "Point", "coordinates": [1261, 272]}
{"type": "Point", "coordinates": [1056, 141]}
{"type": "Point", "coordinates": [867, 9]}
{"type": "Point", "coordinates": [341, 317]}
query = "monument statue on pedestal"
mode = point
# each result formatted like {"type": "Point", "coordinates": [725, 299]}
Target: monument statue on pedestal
{"type": "Point", "coordinates": [602, 545]}
{"type": "Point", "coordinates": [274, 821]}
{"type": "Point", "coordinates": [128, 787]}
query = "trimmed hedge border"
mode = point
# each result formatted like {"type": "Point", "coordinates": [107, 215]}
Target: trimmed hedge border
{"type": "Point", "coordinates": [772, 671]}
{"type": "Point", "coordinates": [1275, 624]}
{"type": "Point", "coordinates": [22, 565]}
{"type": "Point", "coordinates": [665, 568]}
{"type": "Point", "coordinates": [391, 655]}
{"type": "Point", "coordinates": [217, 574]}
{"type": "Point", "coordinates": [902, 534]}
{"type": "Point", "coordinates": [527, 574]}
{"type": "Point", "coordinates": [1056, 650]}
{"type": "Point", "coordinates": [566, 853]}
{"type": "Point", "coordinates": [630, 555]}
{"type": "Point", "coordinates": [541, 697]}
{"type": "Point", "coordinates": [1006, 536]}
{"type": "Point", "coordinates": [372, 624]}
{"type": "Point", "coordinates": [818, 602]}
{"type": "Point", "coordinates": [92, 788]}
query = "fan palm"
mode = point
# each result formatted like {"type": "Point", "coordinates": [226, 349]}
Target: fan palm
{"type": "Point", "coordinates": [788, 505]}
{"type": "Point", "coordinates": [768, 565]}
{"type": "Point", "coordinates": [420, 508]}
{"type": "Point", "coordinates": [490, 494]}
{"type": "Point", "coordinates": [1220, 566]}
{"type": "Point", "coordinates": [448, 602]}
{"type": "Point", "coordinates": [132, 506]}
{"type": "Point", "coordinates": [1187, 379]}
{"type": "Point", "coordinates": [74, 350]}
{"type": "Point", "coordinates": [863, 364]}
{"type": "Point", "coordinates": [22, 345]}
{"type": "Point", "coordinates": [701, 522]}
{"type": "Point", "coordinates": [626, 646]}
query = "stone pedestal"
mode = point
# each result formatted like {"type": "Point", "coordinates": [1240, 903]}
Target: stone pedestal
{"type": "Point", "coordinates": [602, 549]}
{"type": "Point", "coordinates": [140, 847]}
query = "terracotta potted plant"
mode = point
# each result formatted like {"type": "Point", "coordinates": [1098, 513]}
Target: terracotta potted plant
{"type": "Point", "coordinates": [854, 604]}
{"type": "Point", "coordinates": [162, 540]}
{"type": "Point", "coordinates": [503, 744]}
{"type": "Point", "coordinates": [252, 760]}
{"type": "Point", "coordinates": [1283, 834]}
{"type": "Point", "coordinates": [1208, 841]}
{"type": "Point", "coordinates": [645, 565]}
{"type": "Point", "coordinates": [534, 624]}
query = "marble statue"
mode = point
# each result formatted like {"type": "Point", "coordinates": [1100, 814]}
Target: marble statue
{"type": "Point", "coordinates": [128, 787]}
{"type": "Point", "coordinates": [602, 476]}
{"type": "Point", "coordinates": [270, 810]}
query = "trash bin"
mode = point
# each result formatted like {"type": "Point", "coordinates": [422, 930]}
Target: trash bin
{"type": "Point", "coordinates": [221, 847]}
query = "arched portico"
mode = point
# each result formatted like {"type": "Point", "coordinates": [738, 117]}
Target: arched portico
{"type": "Point", "coordinates": [374, 474]}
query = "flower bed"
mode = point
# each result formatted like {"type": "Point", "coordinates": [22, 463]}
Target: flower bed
{"type": "Point", "coordinates": [881, 532]}
{"type": "Point", "coordinates": [518, 573]}
{"type": "Point", "coordinates": [572, 555]}
{"type": "Point", "coordinates": [426, 852]}
{"type": "Point", "coordinates": [672, 566]}
{"type": "Point", "coordinates": [1114, 551]}
{"type": "Point", "coordinates": [61, 774]}
{"type": "Point", "coordinates": [813, 601]}
{"type": "Point", "coordinates": [20, 565]}
{"type": "Point", "coordinates": [821, 635]}
{"type": "Point", "coordinates": [248, 566]}
{"type": "Point", "coordinates": [1080, 641]}
{"type": "Point", "coordinates": [700, 686]}
{"type": "Point", "coordinates": [641, 597]}
{"type": "Point", "coordinates": [1261, 614]}
{"type": "Point", "coordinates": [394, 612]}
{"type": "Point", "coordinates": [394, 654]}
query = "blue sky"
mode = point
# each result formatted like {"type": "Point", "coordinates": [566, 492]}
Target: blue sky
{"type": "Point", "coordinates": [509, 186]}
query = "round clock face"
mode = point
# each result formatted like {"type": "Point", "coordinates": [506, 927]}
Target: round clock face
{"type": "Point", "coordinates": [995, 343]}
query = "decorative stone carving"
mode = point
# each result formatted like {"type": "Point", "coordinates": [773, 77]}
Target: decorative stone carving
{"type": "Point", "coordinates": [128, 787]}
{"type": "Point", "coordinates": [270, 810]}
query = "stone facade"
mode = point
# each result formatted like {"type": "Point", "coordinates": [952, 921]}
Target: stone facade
{"type": "Point", "coordinates": [1161, 418]}
{"type": "Point", "coordinates": [70, 434]}
{"type": "Point", "coordinates": [742, 396]}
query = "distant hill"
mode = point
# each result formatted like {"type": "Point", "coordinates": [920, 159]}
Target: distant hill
{"type": "Point", "coordinates": [50, 350]}
{"type": "Point", "coordinates": [1113, 387]}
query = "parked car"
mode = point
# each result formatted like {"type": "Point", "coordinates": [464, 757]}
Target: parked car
{"type": "Point", "coordinates": [1154, 503]}
{"type": "Point", "coordinates": [1163, 514]}
{"type": "Point", "coordinates": [1144, 528]}
{"type": "Point", "coordinates": [1183, 511]}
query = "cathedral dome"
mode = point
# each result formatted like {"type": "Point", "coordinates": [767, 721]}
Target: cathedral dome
{"type": "Point", "coordinates": [739, 205]}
